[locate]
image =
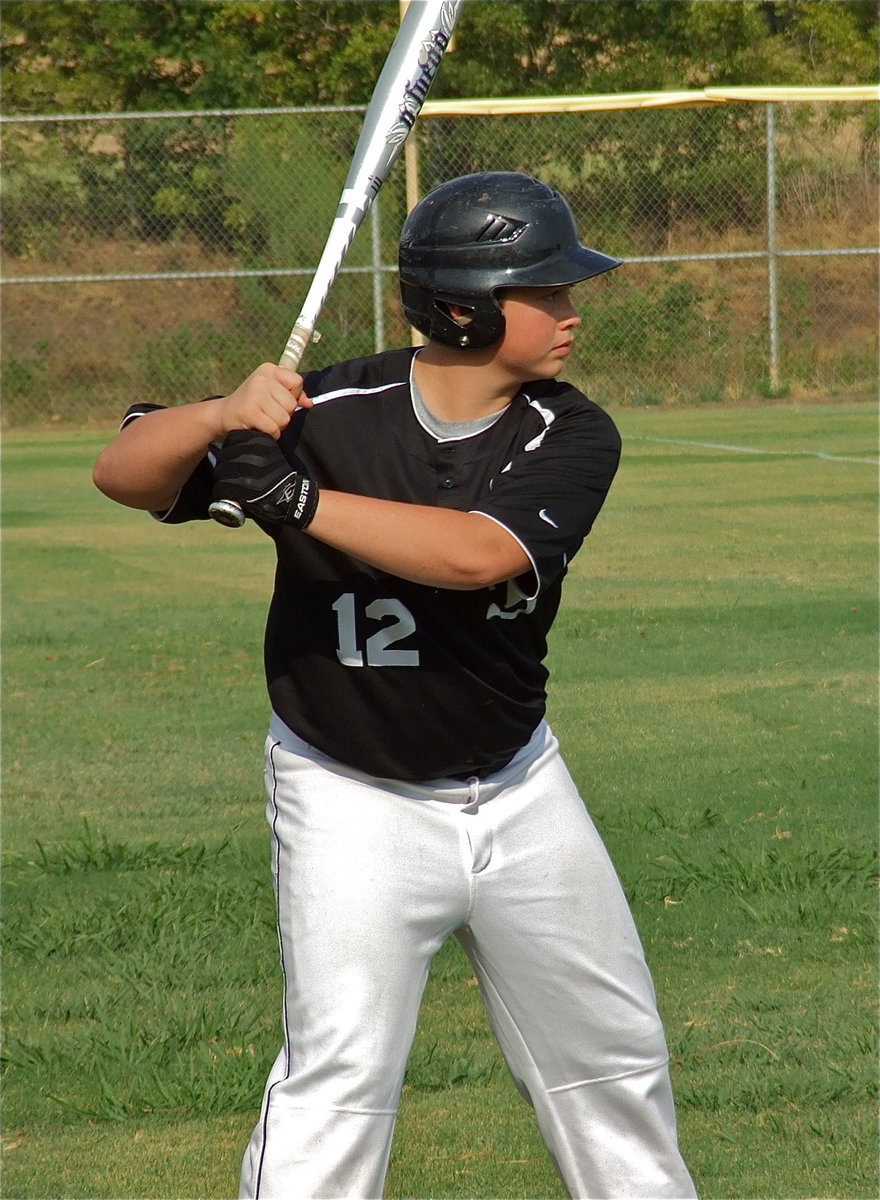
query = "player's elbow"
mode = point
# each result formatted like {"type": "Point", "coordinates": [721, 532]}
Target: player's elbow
{"type": "Point", "coordinates": [110, 479]}
{"type": "Point", "coordinates": [491, 556]}
{"type": "Point", "coordinates": [117, 483]}
{"type": "Point", "coordinates": [103, 476]}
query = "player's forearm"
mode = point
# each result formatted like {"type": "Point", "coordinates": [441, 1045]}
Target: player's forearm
{"type": "Point", "coordinates": [149, 461]}
{"type": "Point", "coordinates": [438, 547]}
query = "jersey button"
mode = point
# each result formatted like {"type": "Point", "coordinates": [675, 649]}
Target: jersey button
{"type": "Point", "coordinates": [448, 482]}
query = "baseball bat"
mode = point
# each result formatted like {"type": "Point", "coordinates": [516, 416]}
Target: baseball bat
{"type": "Point", "coordinates": [400, 91]}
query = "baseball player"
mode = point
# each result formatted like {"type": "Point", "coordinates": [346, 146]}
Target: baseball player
{"type": "Point", "coordinates": [425, 504]}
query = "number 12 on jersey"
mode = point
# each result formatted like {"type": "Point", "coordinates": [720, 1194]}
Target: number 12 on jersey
{"type": "Point", "coordinates": [378, 649]}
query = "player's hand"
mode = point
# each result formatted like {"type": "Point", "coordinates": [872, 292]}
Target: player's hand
{"type": "Point", "coordinates": [252, 470]}
{"type": "Point", "coordinates": [266, 401]}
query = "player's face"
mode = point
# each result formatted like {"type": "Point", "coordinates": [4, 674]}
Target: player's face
{"type": "Point", "coordinates": [540, 324]}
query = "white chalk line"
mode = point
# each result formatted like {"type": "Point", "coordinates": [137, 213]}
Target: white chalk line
{"type": "Point", "coordinates": [873, 462]}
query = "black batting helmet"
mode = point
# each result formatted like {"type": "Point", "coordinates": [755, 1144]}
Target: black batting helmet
{"type": "Point", "coordinates": [478, 233]}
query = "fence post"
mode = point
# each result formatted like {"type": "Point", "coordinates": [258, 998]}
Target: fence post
{"type": "Point", "coordinates": [378, 298]}
{"type": "Point", "coordinates": [772, 297]}
{"type": "Point", "coordinates": [411, 161]}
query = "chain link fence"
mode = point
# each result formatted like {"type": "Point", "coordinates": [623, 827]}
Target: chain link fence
{"type": "Point", "coordinates": [162, 256]}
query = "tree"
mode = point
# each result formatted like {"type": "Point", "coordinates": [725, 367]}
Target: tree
{"type": "Point", "coordinates": [89, 55]}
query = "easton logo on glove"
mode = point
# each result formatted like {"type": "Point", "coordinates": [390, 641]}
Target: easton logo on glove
{"type": "Point", "coordinates": [252, 470]}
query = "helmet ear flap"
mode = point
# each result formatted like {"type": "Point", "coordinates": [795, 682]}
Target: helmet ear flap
{"type": "Point", "coordinates": [443, 318]}
{"type": "Point", "coordinates": [484, 325]}
{"type": "Point", "coordinates": [429, 312]}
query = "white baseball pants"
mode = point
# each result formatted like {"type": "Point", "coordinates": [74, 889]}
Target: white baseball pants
{"type": "Point", "coordinates": [371, 877]}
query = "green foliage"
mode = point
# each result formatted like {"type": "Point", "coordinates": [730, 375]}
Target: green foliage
{"type": "Point", "coordinates": [650, 325]}
{"type": "Point", "coordinates": [41, 188]}
{"type": "Point", "coordinates": [197, 350]}
{"type": "Point", "coordinates": [175, 178]}
{"type": "Point", "coordinates": [287, 218]}
{"type": "Point", "coordinates": [642, 185]}
{"type": "Point", "coordinates": [157, 179]}
{"type": "Point", "coordinates": [292, 211]}
{"type": "Point", "coordinates": [144, 54]}
{"type": "Point", "coordinates": [21, 378]}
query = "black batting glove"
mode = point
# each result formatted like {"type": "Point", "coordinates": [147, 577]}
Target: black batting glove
{"type": "Point", "coordinates": [252, 470]}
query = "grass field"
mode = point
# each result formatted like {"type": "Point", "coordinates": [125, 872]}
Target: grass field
{"type": "Point", "coordinates": [715, 687]}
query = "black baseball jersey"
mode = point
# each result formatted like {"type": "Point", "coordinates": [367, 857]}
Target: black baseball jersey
{"type": "Point", "coordinates": [398, 679]}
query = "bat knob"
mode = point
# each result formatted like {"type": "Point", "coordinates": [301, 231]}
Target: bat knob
{"type": "Point", "coordinates": [227, 512]}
